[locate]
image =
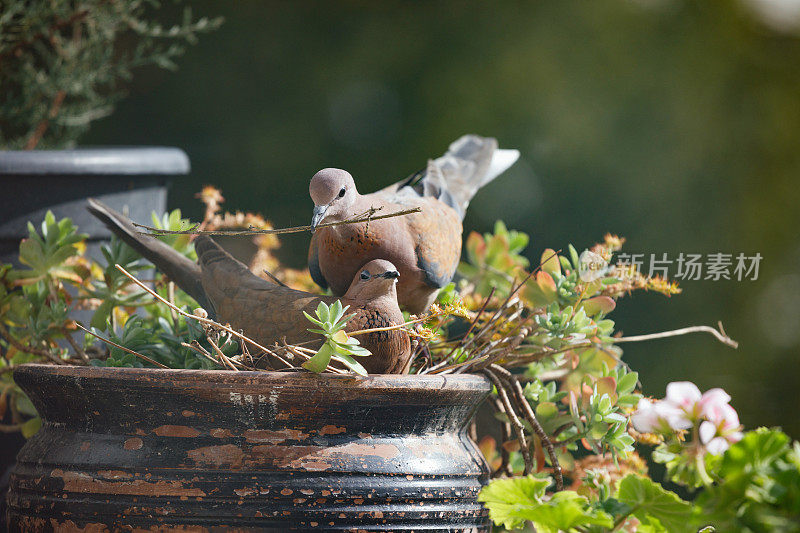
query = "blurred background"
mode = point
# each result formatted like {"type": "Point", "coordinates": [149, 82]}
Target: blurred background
{"type": "Point", "coordinates": [675, 124]}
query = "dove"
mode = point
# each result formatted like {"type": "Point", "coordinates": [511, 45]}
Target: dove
{"type": "Point", "coordinates": [425, 246]}
{"type": "Point", "coordinates": [267, 312]}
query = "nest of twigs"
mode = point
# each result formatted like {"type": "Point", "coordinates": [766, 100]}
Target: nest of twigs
{"type": "Point", "coordinates": [513, 324]}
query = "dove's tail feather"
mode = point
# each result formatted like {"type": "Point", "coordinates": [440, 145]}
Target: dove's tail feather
{"type": "Point", "coordinates": [184, 272]}
{"type": "Point", "coordinates": [470, 163]}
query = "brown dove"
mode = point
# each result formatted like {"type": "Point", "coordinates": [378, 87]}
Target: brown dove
{"type": "Point", "coordinates": [425, 246]}
{"type": "Point", "coordinates": [267, 312]}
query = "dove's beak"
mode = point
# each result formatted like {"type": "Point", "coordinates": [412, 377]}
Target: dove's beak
{"type": "Point", "coordinates": [318, 214]}
{"type": "Point", "coordinates": [392, 274]}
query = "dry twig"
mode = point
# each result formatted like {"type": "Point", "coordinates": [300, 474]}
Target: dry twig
{"type": "Point", "coordinates": [530, 416]}
{"type": "Point", "coordinates": [505, 428]}
{"type": "Point", "coordinates": [273, 277]}
{"type": "Point", "coordinates": [200, 319]}
{"type": "Point", "coordinates": [363, 217]}
{"type": "Point", "coordinates": [516, 424]}
{"type": "Point", "coordinates": [128, 350]}
{"type": "Point", "coordinates": [719, 334]}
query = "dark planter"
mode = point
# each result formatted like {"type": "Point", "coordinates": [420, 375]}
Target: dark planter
{"type": "Point", "coordinates": [141, 449]}
{"type": "Point", "coordinates": [128, 179]}
{"type": "Point", "coordinates": [132, 180]}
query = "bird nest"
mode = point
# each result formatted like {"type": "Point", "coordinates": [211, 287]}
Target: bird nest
{"type": "Point", "coordinates": [525, 327]}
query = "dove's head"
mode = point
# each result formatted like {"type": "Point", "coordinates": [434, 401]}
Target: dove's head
{"type": "Point", "coordinates": [334, 192]}
{"type": "Point", "coordinates": [374, 280]}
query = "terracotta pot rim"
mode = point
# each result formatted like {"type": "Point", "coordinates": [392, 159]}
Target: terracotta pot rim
{"type": "Point", "coordinates": [383, 381]}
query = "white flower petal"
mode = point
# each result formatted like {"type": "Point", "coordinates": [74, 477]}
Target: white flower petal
{"type": "Point", "coordinates": [684, 394]}
{"type": "Point", "coordinates": [734, 437]}
{"type": "Point", "coordinates": [715, 395]}
{"type": "Point", "coordinates": [643, 422]}
{"type": "Point", "coordinates": [674, 417]}
{"type": "Point", "coordinates": [717, 446]}
{"type": "Point", "coordinates": [707, 432]}
{"type": "Point", "coordinates": [644, 419]}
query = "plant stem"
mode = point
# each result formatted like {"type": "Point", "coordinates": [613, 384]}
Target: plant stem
{"type": "Point", "coordinates": [78, 349]}
{"type": "Point", "coordinates": [41, 128]}
{"type": "Point", "coordinates": [700, 463]}
{"type": "Point", "coordinates": [621, 520]}
{"type": "Point", "coordinates": [29, 349]}
{"type": "Point", "coordinates": [398, 326]}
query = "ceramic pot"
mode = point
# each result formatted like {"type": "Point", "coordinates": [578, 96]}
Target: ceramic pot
{"type": "Point", "coordinates": [196, 450]}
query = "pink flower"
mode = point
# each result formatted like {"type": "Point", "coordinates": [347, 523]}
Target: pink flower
{"type": "Point", "coordinates": [718, 437]}
{"type": "Point", "coordinates": [684, 407]}
{"type": "Point", "coordinates": [715, 396]}
{"type": "Point", "coordinates": [721, 427]}
{"type": "Point", "coordinates": [685, 395]}
{"type": "Point", "coordinates": [658, 417]}
{"type": "Point", "coordinates": [714, 406]}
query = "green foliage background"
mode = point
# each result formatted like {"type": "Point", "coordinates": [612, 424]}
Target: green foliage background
{"type": "Point", "coordinates": [673, 123]}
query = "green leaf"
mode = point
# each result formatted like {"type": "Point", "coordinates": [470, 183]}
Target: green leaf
{"type": "Point", "coordinates": [312, 319]}
{"type": "Point", "coordinates": [651, 502]}
{"type": "Point", "coordinates": [598, 304]}
{"type": "Point", "coordinates": [320, 361]}
{"type": "Point", "coordinates": [351, 363]}
{"type": "Point", "coordinates": [627, 383]}
{"type": "Point", "coordinates": [550, 261]}
{"type": "Point", "coordinates": [756, 451]}
{"type": "Point", "coordinates": [508, 499]}
{"type": "Point", "coordinates": [573, 254]}
{"type": "Point", "coordinates": [25, 406]}
{"type": "Point", "coordinates": [628, 399]}
{"type": "Point", "coordinates": [31, 254]}
{"type": "Point", "coordinates": [323, 312]}
{"type": "Point", "coordinates": [358, 351]}
{"type": "Point", "coordinates": [101, 315]}
{"type": "Point", "coordinates": [758, 485]}
{"type": "Point", "coordinates": [567, 510]}
{"type": "Point", "coordinates": [546, 410]}
{"type": "Point", "coordinates": [512, 502]}
{"type": "Point", "coordinates": [336, 311]}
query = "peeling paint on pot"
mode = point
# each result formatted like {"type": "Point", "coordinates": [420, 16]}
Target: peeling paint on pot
{"type": "Point", "coordinates": [148, 450]}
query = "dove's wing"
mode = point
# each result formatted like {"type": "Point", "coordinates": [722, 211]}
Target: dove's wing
{"type": "Point", "coordinates": [265, 311]}
{"type": "Point", "coordinates": [313, 263]}
{"type": "Point", "coordinates": [433, 234]}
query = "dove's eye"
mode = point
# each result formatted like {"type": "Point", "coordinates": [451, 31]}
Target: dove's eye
{"type": "Point", "coordinates": [364, 274]}
{"type": "Point", "coordinates": [341, 193]}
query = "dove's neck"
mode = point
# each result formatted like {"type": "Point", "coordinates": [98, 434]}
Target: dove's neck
{"type": "Point", "coordinates": [339, 212]}
{"type": "Point", "coordinates": [365, 297]}
{"type": "Point", "coordinates": [386, 301]}
{"type": "Point", "coordinates": [358, 207]}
